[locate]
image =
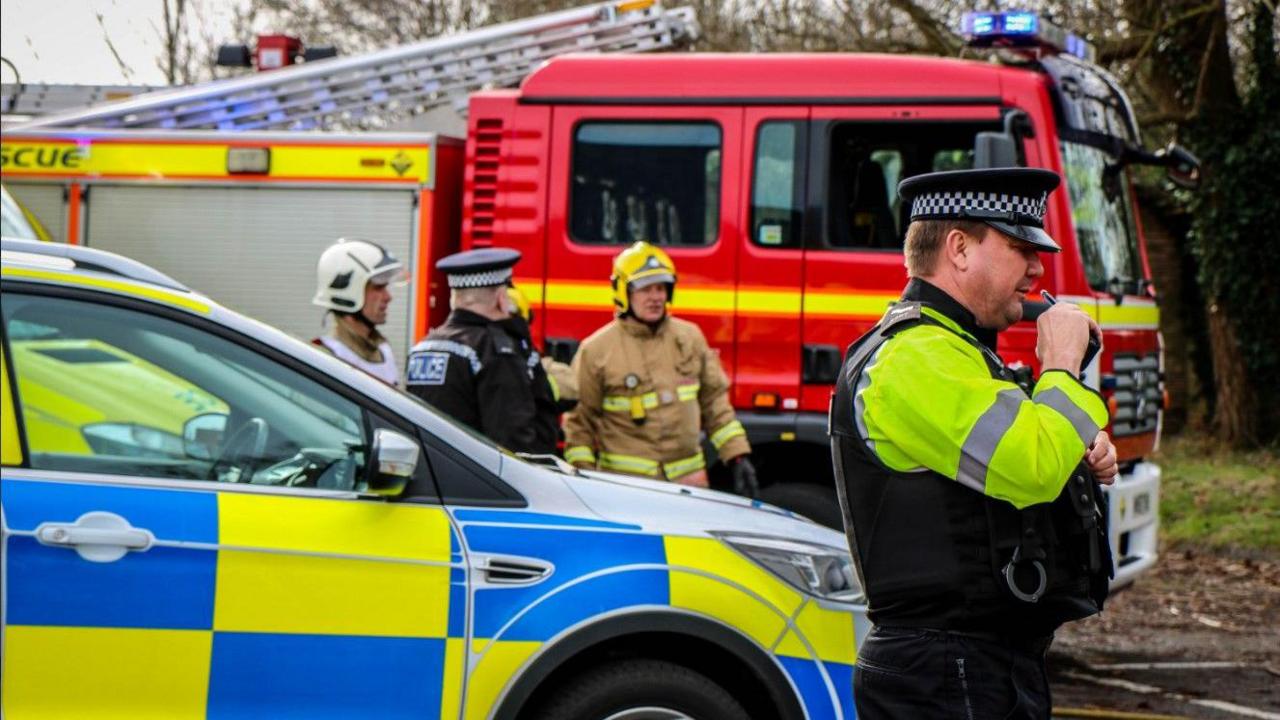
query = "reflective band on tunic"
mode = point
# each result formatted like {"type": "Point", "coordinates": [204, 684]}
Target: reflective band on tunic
{"type": "Point", "coordinates": [730, 430]}
{"type": "Point", "coordinates": [579, 453]}
{"type": "Point", "coordinates": [679, 468]}
{"type": "Point", "coordinates": [628, 463]}
{"type": "Point", "coordinates": [622, 403]}
{"type": "Point", "coordinates": [688, 393]}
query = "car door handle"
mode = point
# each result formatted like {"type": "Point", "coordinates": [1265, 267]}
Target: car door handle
{"type": "Point", "coordinates": [97, 536]}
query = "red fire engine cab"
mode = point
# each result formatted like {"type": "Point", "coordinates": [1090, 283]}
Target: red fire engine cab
{"type": "Point", "coordinates": [771, 181]}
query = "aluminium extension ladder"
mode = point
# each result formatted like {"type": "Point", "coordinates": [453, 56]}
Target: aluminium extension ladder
{"type": "Point", "coordinates": [367, 91]}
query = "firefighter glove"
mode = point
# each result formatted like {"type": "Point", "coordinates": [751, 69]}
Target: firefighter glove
{"type": "Point", "coordinates": [744, 477]}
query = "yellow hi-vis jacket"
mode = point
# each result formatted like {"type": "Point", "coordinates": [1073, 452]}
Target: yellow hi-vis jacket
{"type": "Point", "coordinates": [927, 400]}
{"type": "Point", "coordinates": [644, 397]}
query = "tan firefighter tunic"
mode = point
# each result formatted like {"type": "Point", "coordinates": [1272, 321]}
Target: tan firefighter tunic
{"type": "Point", "coordinates": [645, 395]}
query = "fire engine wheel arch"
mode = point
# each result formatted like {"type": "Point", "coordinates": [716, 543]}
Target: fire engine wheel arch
{"type": "Point", "coordinates": [720, 653]}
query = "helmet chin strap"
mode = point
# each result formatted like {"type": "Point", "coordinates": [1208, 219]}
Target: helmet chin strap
{"type": "Point", "coordinates": [365, 321]}
{"type": "Point", "coordinates": [359, 317]}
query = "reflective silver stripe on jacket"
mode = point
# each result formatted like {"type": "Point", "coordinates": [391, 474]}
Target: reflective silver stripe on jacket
{"type": "Point", "coordinates": [980, 445]}
{"type": "Point", "coordinates": [1079, 419]}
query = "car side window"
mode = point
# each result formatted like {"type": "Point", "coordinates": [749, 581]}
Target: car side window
{"type": "Point", "coordinates": [110, 390]}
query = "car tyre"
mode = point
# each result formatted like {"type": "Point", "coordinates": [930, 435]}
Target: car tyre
{"type": "Point", "coordinates": [641, 690]}
{"type": "Point", "coordinates": [815, 502]}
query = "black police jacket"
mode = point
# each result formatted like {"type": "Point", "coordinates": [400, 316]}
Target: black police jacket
{"type": "Point", "coordinates": [933, 553]}
{"type": "Point", "coordinates": [487, 375]}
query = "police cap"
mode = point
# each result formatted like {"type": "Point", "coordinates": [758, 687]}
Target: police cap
{"type": "Point", "coordinates": [485, 267]}
{"type": "Point", "coordinates": [1011, 200]}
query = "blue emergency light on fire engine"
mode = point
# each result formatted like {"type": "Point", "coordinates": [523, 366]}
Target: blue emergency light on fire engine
{"type": "Point", "coordinates": [1025, 30]}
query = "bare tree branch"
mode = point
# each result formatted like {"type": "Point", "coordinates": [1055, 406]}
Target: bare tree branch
{"type": "Point", "coordinates": [106, 36]}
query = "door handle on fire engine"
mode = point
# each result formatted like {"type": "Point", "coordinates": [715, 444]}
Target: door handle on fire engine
{"type": "Point", "coordinates": [820, 364]}
{"type": "Point", "coordinates": [561, 349]}
{"type": "Point", "coordinates": [97, 536]}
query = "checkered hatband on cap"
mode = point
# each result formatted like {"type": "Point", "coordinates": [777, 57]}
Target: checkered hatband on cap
{"type": "Point", "coordinates": [998, 206]}
{"type": "Point", "coordinates": [488, 278]}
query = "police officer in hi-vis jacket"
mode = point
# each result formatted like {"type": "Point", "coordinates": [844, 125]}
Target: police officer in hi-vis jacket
{"type": "Point", "coordinates": [970, 503]}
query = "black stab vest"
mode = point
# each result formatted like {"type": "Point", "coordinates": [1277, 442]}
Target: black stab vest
{"type": "Point", "coordinates": [932, 553]}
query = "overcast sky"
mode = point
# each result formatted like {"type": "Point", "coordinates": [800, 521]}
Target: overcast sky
{"type": "Point", "coordinates": [64, 41]}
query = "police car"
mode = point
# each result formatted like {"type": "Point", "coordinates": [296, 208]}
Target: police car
{"type": "Point", "coordinates": [203, 516]}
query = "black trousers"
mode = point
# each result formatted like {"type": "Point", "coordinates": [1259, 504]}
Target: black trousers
{"type": "Point", "coordinates": [912, 673]}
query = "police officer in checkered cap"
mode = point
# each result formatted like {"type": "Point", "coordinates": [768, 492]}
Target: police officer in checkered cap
{"type": "Point", "coordinates": [480, 366]}
{"type": "Point", "coordinates": [970, 504]}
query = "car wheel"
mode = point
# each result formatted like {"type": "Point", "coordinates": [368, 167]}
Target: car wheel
{"type": "Point", "coordinates": [815, 502]}
{"type": "Point", "coordinates": [641, 690]}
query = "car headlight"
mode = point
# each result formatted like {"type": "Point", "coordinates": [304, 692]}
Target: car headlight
{"type": "Point", "coordinates": [820, 570]}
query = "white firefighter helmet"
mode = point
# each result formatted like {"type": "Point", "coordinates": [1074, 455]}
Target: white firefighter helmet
{"type": "Point", "coordinates": [346, 267]}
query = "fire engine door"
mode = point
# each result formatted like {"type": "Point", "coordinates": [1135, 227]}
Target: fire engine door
{"type": "Point", "coordinates": [770, 266]}
{"type": "Point", "coordinates": [659, 174]}
{"type": "Point", "coordinates": [853, 263]}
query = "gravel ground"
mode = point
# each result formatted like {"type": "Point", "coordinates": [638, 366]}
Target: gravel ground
{"type": "Point", "coordinates": [1197, 637]}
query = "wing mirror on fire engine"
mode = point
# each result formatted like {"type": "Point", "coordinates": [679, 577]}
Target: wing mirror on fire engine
{"type": "Point", "coordinates": [994, 150]}
{"type": "Point", "coordinates": [1183, 166]}
{"type": "Point", "coordinates": [1000, 149]}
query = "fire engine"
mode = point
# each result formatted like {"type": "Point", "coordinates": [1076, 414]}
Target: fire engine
{"type": "Point", "coordinates": [769, 178]}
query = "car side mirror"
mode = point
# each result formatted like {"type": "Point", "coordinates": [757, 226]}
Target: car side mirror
{"type": "Point", "coordinates": [202, 434]}
{"type": "Point", "coordinates": [395, 460]}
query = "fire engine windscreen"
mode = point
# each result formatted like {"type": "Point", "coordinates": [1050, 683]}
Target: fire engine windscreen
{"type": "Point", "coordinates": [657, 182]}
{"type": "Point", "coordinates": [1103, 214]}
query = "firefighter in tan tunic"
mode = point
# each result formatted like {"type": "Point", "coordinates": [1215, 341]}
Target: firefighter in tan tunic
{"type": "Point", "coordinates": [353, 281]}
{"type": "Point", "coordinates": [648, 386]}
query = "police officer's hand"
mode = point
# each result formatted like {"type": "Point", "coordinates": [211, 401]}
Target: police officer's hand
{"type": "Point", "coordinates": [1101, 459]}
{"type": "Point", "coordinates": [744, 477]}
{"type": "Point", "coordinates": [1062, 334]}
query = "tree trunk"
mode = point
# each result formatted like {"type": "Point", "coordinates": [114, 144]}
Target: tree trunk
{"type": "Point", "coordinates": [1165, 255]}
{"type": "Point", "coordinates": [1236, 419]}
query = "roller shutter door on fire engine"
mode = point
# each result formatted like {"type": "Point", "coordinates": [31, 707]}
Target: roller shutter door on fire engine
{"type": "Point", "coordinates": [255, 249]}
{"type": "Point", "coordinates": [45, 201]}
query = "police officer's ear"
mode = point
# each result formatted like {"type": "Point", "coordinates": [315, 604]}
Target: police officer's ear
{"type": "Point", "coordinates": [505, 303]}
{"type": "Point", "coordinates": [956, 248]}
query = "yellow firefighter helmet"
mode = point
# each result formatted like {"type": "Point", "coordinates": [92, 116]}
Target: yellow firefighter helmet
{"type": "Point", "coordinates": [639, 266]}
{"type": "Point", "coordinates": [520, 304]}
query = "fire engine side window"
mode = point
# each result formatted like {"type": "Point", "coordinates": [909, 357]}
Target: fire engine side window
{"type": "Point", "coordinates": [777, 185]}
{"type": "Point", "coordinates": [658, 182]}
{"type": "Point", "coordinates": [868, 160]}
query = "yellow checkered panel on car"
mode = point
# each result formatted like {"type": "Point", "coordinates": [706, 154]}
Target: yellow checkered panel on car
{"type": "Point", "coordinates": [246, 606]}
